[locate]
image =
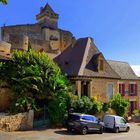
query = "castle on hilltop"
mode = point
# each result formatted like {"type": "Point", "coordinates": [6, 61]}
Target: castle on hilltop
{"type": "Point", "coordinates": [43, 35]}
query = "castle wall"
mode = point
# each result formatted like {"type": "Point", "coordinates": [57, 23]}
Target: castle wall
{"type": "Point", "coordinates": [0, 34]}
{"type": "Point", "coordinates": [66, 39]}
{"type": "Point", "coordinates": [49, 40]}
{"type": "Point", "coordinates": [49, 22]}
{"type": "Point", "coordinates": [18, 42]}
{"type": "Point", "coordinates": [51, 34]}
{"type": "Point", "coordinates": [39, 45]}
{"type": "Point", "coordinates": [5, 47]}
{"type": "Point", "coordinates": [31, 30]}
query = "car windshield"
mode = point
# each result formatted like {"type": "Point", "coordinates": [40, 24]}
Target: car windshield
{"type": "Point", "coordinates": [74, 117]}
{"type": "Point", "coordinates": [89, 118]}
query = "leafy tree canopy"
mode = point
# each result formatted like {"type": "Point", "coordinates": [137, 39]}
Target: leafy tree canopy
{"type": "Point", "coordinates": [33, 74]}
{"type": "Point", "coordinates": [4, 1]}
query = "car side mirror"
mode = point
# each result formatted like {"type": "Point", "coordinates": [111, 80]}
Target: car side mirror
{"type": "Point", "coordinates": [99, 120]}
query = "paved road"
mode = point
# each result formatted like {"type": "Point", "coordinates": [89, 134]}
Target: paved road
{"type": "Point", "coordinates": [61, 134]}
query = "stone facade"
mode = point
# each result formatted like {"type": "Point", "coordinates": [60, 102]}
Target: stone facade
{"type": "Point", "coordinates": [5, 96]}
{"type": "Point", "coordinates": [101, 88]}
{"type": "Point", "coordinates": [5, 47]}
{"type": "Point", "coordinates": [21, 121]}
{"type": "Point", "coordinates": [96, 87]}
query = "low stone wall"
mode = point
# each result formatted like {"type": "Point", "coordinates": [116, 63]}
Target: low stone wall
{"type": "Point", "coordinates": [136, 119]}
{"type": "Point", "coordinates": [21, 121]}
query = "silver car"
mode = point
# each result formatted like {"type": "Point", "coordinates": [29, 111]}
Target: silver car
{"type": "Point", "coordinates": [115, 123]}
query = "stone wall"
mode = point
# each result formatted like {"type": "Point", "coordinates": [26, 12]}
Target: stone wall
{"type": "Point", "coordinates": [5, 96]}
{"type": "Point", "coordinates": [31, 30]}
{"type": "Point", "coordinates": [21, 121]}
{"type": "Point", "coordinates": [5, 47]}
{"type": "Point", "coordinates": [39, 37]}
{"type": "Point", "coordinates": [99, 88]}
{"type": "Point", "coordinates": [0, 34]}
{"type": "Point", "coordinates": [66, 39]}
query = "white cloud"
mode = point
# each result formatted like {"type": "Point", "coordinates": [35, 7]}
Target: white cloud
{"type": "Point", "coordinates": [136, 69]}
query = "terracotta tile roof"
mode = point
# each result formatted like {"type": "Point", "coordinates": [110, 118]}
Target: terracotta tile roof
{"type": "Point", "coordinates": [80, 60]}
{"type": "Point", "coordinates": [123, 69]}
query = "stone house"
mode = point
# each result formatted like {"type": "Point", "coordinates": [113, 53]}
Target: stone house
{"type": "Point", "coordinates": [92, 75]}
{"type": "Point", "coordinates": [128, 84]}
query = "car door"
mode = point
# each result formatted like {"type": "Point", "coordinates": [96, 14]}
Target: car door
{"type": "Point", "coordinates": [95, 123]}
{"type": "Point", "coordinates": [122, 124]}
{"type": "Point", "coordinates": [91, 122]}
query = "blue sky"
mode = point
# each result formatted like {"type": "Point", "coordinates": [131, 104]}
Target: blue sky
{"type": "Point", "coordinates": [114, 24]}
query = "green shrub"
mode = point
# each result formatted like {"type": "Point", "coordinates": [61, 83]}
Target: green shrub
{"type": "Point", "coordinates": [81, 105]}
{"type": "Point", "coordinates": [97, 106]}
{"type": "Point", "coordinates": [105, 107]}
{"type": "Point", "coordinates": [85, 104]}
{"type": "Point", "coordinates": [119, 104]}
{"type": "Point", "coordinates": [136, 112]}
{"type": "Point", "coordinates": [22, 104]}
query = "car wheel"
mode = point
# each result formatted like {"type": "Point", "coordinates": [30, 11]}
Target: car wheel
{"type": "Point", "coordinates": [127, 129]}
{"type": "Point", "coordinates": [116, 130]}
{"type": "Point", "coordinates": [101, 130]}
{"type": "Point", "coordinates": [84, 130]}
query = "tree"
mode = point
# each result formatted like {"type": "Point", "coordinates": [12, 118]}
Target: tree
{"type": "Point", "coordinates": [4, 1]}
{"type": "Point", "coordinates": [119, 104]}
{"type": "Point", "coordinates": [32, 74]}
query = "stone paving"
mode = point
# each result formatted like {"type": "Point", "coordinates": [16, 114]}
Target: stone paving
{"type": "Point", "coordinates": [62, 134]}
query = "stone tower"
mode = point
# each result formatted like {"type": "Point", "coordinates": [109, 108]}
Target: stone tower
{"type": "Point", "coordinates": [47, 17]}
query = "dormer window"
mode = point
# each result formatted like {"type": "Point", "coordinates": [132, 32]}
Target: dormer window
{"type": "Point", "coordinates": [100, 65]}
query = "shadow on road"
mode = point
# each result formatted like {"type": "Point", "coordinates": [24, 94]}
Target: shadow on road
{"type": "Point", "coordinates": [65, 132]}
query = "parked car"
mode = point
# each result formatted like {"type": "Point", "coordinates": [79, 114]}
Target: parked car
{"type": "Point", "coordinates": [115, 123]}
{"type": "Point", "coordinates": [84, 123]}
